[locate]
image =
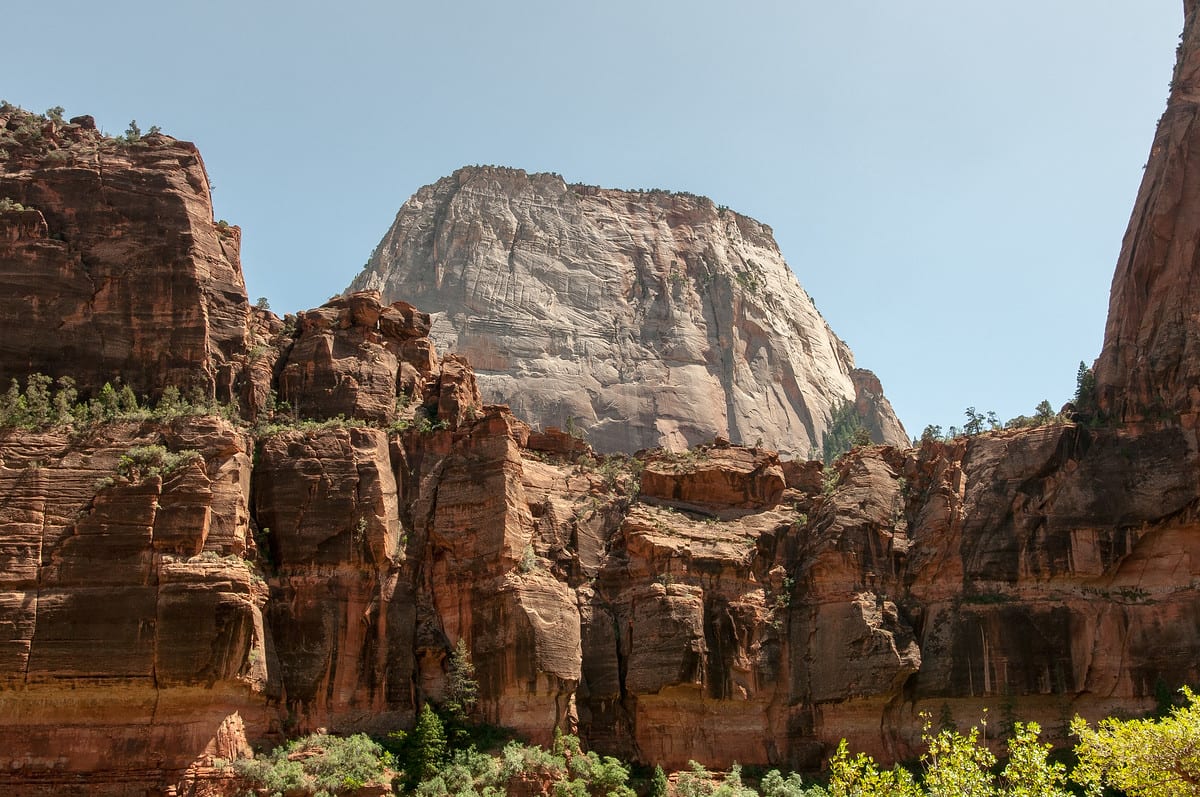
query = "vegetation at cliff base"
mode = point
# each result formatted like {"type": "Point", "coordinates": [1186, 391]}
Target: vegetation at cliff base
{"type": "Point", "coordinates": [317, 765]}
{"type": "Point", "coordinates": [1155, 757]}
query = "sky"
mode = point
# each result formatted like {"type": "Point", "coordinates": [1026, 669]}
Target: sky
{"type": "Point", "coordinates": [950, 181]}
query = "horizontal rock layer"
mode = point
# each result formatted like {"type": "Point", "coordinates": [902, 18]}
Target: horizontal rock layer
{"type": "Point", "coordinates": [112, 266]}
{"type": "Point", "coordinates": [717, 604]}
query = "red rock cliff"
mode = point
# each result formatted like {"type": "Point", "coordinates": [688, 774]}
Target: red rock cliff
{"type": "Point", "coordinates": [1150, 364]}
{"type": "Point", "coordinates": [111, 264]}
{"type": "Point", "coordinates": [716, 604]}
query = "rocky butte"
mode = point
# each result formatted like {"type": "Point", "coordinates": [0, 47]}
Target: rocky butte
{"type": "Point", "coordinates": [644, 318]}
{"type": "Point", "coordinates": [175, 586]}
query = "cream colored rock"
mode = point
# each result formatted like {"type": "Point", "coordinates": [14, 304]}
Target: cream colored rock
{"type": "Point", "coordinates": [645, 318]}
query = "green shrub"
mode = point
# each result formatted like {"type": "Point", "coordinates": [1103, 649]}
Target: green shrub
{"type": "Point", "coordinates": [316, 764]}
{"type": "Point", "coordinates": [142, 462]}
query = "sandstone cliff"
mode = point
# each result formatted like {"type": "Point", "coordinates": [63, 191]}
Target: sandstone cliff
{"type": "Point", "coordinates": [719, 603]}
{"type": "Point", "coordinates": [643, 318]}
{"type": "Point", "coordinates": [111, 263]}
{"type": "Point", "coordinates": [1150, 363]}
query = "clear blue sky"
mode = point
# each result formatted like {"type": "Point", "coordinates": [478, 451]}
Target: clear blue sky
{"type": "Point", "coordinates": [949, 180]}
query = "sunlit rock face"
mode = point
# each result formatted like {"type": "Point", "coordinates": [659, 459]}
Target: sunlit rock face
{"type": "Point", "coordinates": [720, 604]}
{"type": "Point", "coordinates": [1149, 368]}
{"type": "Point", "coordinates": [113, 266]}
{"type": "Point", "coordinates": [643, 318]}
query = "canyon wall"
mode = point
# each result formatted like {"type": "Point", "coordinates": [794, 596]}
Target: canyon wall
{"type": "Point", "coordinates": [720, 603]}
{"type": "Point", "coordinates": [642, 318]}
{"type": "Point", "coordinates": [1150, 363]}
{"type": "Point", "coordinates": [112, 266]}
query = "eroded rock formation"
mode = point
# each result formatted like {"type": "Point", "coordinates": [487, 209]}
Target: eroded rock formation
{"type": "Point", "coordinates": [112, 265]}
{"type": "Point", "coordinates": [132, 627]}
{"type": "Point", "coordinates": [718, 604]}
{"type": "Point", "coordinates": [1150, 364]}
{"type": "Point", "coordinates": [644, 318]}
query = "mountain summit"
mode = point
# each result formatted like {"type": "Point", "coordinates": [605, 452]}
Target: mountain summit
{"type": "Point", "coordinates": [644, 318]}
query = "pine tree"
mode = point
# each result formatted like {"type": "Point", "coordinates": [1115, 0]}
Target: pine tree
{"type": "Point", "coordinates": [658, 786]}
{"type": "Point", "coordinates": [462, 690]}
{"type": "Point", "coordinates": [428, 749]}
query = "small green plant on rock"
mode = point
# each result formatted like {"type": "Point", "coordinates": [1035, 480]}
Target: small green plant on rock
{"type": "Point", "coordinates": [143, 462]}
{"type": "Point", "coordinates": [830, 478]}
{"type": "Point", "coordinates": [528, 561]}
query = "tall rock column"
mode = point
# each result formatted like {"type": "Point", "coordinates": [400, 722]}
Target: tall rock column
{"type": "Point", "coordinates": [1150, 364]}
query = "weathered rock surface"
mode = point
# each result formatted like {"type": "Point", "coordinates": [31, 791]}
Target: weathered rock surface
{"type": "Point", "coordinates": [1149, 366]}
{"type": "Point", "coordinates": [645, 318]}
{"type": "Point", "coordinates": [719, 604]}
{"type": "Point", "coordinates": [131, 627]}
{"type": "Point", "coordinates": [114, 268]}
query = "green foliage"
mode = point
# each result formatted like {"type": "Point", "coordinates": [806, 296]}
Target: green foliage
{"type": "Point", "coordinates": [659, 784]}
{"type": "Point", "coordinates": [957, 765]}
{"type": "Point", "coordinates": [830, 478]}
{"type": "Point", "coordinates": [529, 560]}
{"type": "Point", "coordinates": [262, 303]}
{"type": "Point", "coordinates": [846, 431]}
{"type": "Point", "coordinates": [695, 781]}
{"type": "Point", "coordinates": [1085, 390]}
{"type": "Point", "coordinates": [39, 406]}
{"type": "Point", "coordinates": [428, 749]}
{"type": "Point", "coordinates": [55, 114]}
{"type": "Point", "coordinates": [1136, 758]}
{"type": "Point", "coordinates": [774, 784]}
{"type": "Point", "coordinates": [316, 764]}
{"type": "Point", "coordinates": [1029, 772]}
{"type": "Point", "coordinates": [142, 462]}
{"type": "Point", "coordinates": [858, 776]}
{"type": "Point", "coordinates": [1144, 757]}
{"type": "Point", "coordinates": [976, 422]}
{"type": "Point", "coordinates": [462, 690]}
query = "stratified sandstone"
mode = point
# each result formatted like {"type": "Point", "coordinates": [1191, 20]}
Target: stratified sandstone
{"type": "Point", "coordinates": [130, 626]}
{"type": "Point", "coordinates": [644, 318]}
{"type": "Point", "coordinates": [114, 268]}
{"type": "Point", "coordinates": [719, 604]}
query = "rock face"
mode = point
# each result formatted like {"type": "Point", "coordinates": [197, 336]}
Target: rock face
{"type": "Point", "coordinates": [644, 318]}
{"type": "Point", "coordinates": [111, 263]}
{"type": "Point", "coordinates": [1150, 364]}
{"type": "Point", "coordinates": [131, 627]}
{"type": "Point", "coordinates": [719, 604]}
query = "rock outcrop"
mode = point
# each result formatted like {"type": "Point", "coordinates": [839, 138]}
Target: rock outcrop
{"type": "Point", "coordinates": [131, 626]}
{"type": "Point", "coordinates": [644, 318]}
{"type": "Point", "coordinates": [112, 266]}
{"type": "Point", "coordinates": [174, 587]}
{"type": "Point", "coordinates": [1149, 367]}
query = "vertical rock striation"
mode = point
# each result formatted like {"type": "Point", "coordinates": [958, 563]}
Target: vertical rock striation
{"type": "Point", "coordinates": [111, 263]}
{"type": "Point", "coordinates": [1149, 367]}
{"type": "Point", "coordinates": [644, 318]}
